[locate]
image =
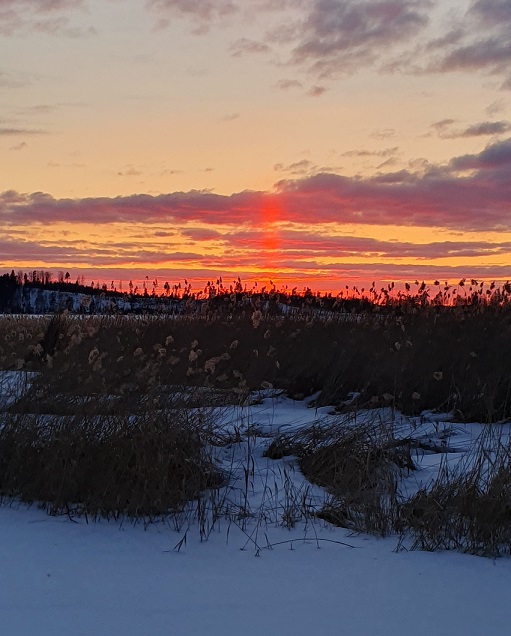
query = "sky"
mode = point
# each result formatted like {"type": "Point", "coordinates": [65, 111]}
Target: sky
{"type": "Point", "coordinates": [309, 142]}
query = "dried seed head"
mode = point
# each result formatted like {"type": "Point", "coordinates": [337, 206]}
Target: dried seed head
{"type": "Point", "coordinates": [210, 366]}
{"type": "Point", "coordinates": [257, 316]}
{"type": "Point", "coordinates": [93, 355]}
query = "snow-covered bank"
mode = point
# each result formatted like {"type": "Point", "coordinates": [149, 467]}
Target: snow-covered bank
{"type": "Point", "coordinates": [60, 578]}
{"type": "Point", "coordinates": [63, 577]}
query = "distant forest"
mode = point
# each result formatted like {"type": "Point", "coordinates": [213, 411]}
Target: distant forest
{"type": "Point", "coordinates": [38, 291]}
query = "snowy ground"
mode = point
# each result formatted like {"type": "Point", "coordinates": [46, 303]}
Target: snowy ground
{"type": "Point", "coordinates": [62, 577]}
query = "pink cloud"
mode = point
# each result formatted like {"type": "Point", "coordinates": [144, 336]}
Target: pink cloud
{"type": "Point", "coordinates": [472, 192]}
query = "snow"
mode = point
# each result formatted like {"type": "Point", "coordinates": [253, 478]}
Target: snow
{"type": "Point", "coordinates": [64, 577]}
{"type": "Point", "coordinates": [61, 578]}
{"type": "Point", "coordinates": [13, 385]}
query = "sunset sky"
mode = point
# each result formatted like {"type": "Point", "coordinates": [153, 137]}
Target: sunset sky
{"type": "Point", "coordinates": [311, 142]}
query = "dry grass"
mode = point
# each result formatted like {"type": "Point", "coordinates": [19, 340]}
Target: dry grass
{"type": "Point", "coordinates": [455, 359]}
{"type": "Point", "coordinates": [110, 426]}
{"type": "Point", "coordinates": [468, 507]}
{"type": "Point", "coordinates": [136, 466]}
{"type": "Point", "coordinates": [358, 463]}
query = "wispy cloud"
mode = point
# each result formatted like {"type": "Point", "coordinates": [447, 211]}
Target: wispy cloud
{"type": "Point", "coordinates": [50, 17]}
{"type": "Point", "coordinates": [316, 91]}
{"type": "Point", "coordinates": [483, 42]}
{"type": "Point", "coordinates": [341, 36]}
{"type": "Point", "coordinates": [445, 129]}
{"type": "Point", "coordinates": [328, 39]}
{"type": "Point", "coordinates": [245, 46]}
{"type": "Point", "coordinates": [19, 146]}
{"type": "Point", "coordinates": [386, 152]}
{"type": "Point", "coordinates": [230, 117]}
{"type": "Point", "coordinates": [287, 84]}
{"type": "Point", "coordinates": [8, 132]}
{"type": "Point", "coordinates": [201, 12]}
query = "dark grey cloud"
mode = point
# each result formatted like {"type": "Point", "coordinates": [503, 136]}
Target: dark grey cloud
{"type": "Point", "coordinates": [493, 12]}
{"type": "Point", "coordinates": [496, 156]}
{"type": "Point", "coordinates": [340, 36]}
{"type": "Point", "coordinates": [482, 42]}
{"type": "Point", "coordinates": [328, 38]}
{"type": "Point", "coordinates": [331, 38]}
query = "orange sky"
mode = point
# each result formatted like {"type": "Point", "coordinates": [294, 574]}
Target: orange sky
{"type": "Point", "coordinates": [317, 143]}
